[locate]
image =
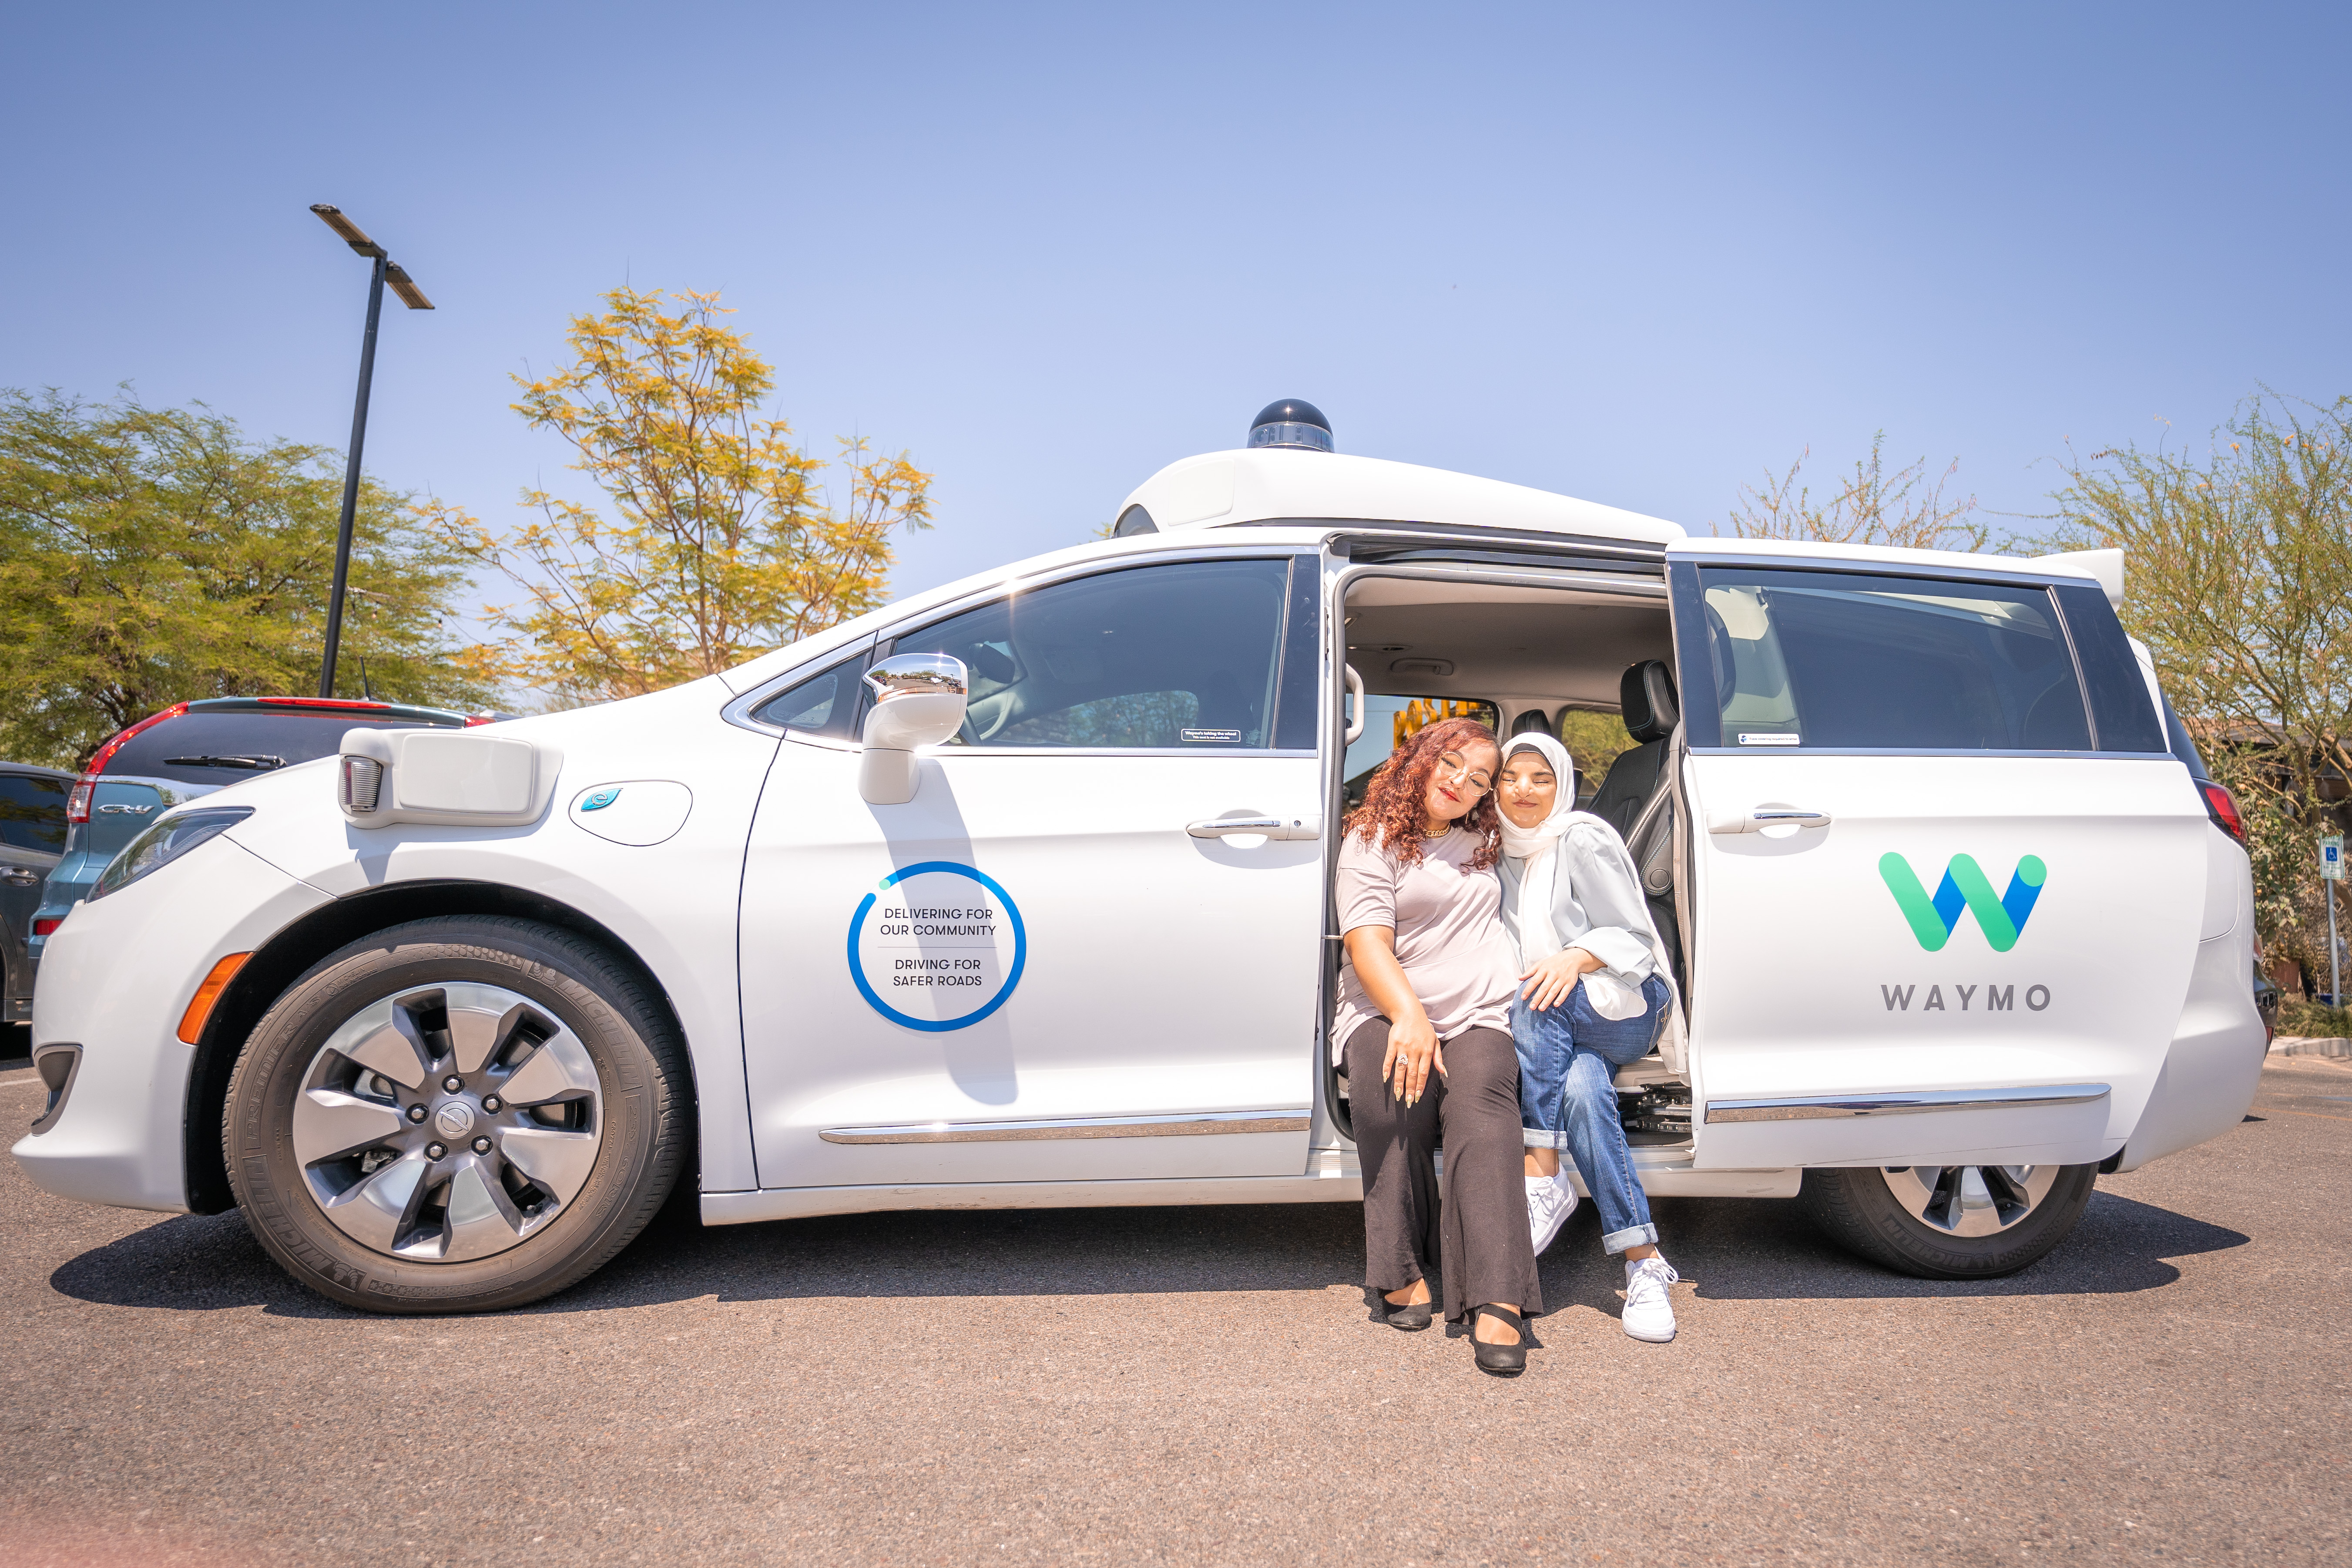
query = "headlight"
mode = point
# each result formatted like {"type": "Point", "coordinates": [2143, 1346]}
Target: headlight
{"type": "Point", "coordinates": [165, 843]}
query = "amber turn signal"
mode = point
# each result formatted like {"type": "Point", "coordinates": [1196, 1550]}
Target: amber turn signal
{"type": "Point", "coordinates": [200, 1007]}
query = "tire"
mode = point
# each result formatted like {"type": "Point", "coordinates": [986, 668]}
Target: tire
{"type": "Point", "coordinates": [374, 1182]}
{"type": "Point", "coordinates": [1948, 1222]}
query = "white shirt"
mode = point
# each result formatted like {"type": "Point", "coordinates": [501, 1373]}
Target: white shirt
{"type": "Point", "coordinates": [1597, 904]}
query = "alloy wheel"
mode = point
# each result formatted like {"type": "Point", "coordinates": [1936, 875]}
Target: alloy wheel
{"type": "Point", "coordinates": [1970, 1200]}
{"type": "Point", "coordinates": [447, 1122]}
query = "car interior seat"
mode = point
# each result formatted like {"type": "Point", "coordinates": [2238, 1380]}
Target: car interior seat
{"type": "Point", "coordinates": [1646, 693]}
{"type": "Point", "coordinates": [1636, 797]}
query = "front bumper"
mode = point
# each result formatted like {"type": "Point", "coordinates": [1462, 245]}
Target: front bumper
{"type": "Point", "coordinates": [115, 981]}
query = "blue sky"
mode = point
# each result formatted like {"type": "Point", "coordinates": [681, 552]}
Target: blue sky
{"type": "Point", "coordinates": [1634, 254]}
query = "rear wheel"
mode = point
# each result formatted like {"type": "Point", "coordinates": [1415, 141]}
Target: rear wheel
{"type": "Point", "coordinates": [457, 1115]}
{"type": "Point", "coordinates": [1949, 1222]}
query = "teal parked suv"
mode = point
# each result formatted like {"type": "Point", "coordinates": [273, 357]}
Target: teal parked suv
{"type": "Point", "coordinates": [191, 749]}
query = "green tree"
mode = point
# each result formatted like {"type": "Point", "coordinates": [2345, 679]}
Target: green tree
{"type": "Point", "coordinates": [2238, 579]}
{"type": "Point", "coordinates": [1871, 507]}
{"type": "Point", "coordinates": [720, 541]}
{"type": "Point", "coordinates": [150, 556]}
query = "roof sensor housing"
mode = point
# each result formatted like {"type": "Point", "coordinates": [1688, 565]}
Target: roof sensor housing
{"type": "Point", "coordinates": [1291, 423]}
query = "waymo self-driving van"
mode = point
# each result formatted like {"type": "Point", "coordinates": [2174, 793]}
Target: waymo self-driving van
{"type": "Point", "coordinates": [1017, 893]}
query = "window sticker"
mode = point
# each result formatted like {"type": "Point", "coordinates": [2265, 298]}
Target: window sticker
{"type": "Point", "coordinates": [937, 946]}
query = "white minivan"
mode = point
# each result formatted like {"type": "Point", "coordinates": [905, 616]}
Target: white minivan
{"type": "Point", "coordinates": [1017, 893]}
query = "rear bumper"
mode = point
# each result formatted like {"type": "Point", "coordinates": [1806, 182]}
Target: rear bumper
{"type": "Point", "coordinates": [2215, 1062]}
{"type": "Point", "coordinates": [69, 885]}
{"type": "Point", "coordinates": [115, 981]}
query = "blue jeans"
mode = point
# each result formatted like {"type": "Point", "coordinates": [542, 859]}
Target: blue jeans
{"type": "Point", "coordinates": [1568, 1056]}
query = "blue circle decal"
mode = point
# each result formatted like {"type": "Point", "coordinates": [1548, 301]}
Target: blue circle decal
{"type": "Point", "coordinates": [937, 945]}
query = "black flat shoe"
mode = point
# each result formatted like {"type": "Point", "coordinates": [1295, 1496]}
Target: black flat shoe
{"type": "Point", "coordinates": [1412, 1318]}
{"type": "Point", "coordinates": [1502, 1361]}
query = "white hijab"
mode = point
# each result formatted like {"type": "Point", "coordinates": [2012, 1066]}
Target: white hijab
{"type": "Point", "coordinates": [1539, 847]}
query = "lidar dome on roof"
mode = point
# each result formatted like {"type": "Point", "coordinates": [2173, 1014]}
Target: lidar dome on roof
{"type": "Point", "coordinates": [1291, 422]}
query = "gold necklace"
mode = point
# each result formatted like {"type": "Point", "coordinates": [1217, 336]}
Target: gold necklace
{"type": "Point", "coordinates": [1438, 833]}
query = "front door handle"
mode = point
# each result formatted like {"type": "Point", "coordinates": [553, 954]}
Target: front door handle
{"type": "Point", "coordinates": [19, 876]}
{"type": "Point", "coordinates": [1757, 818]}
{"type": "Point", "coordinates": [1269, 826]}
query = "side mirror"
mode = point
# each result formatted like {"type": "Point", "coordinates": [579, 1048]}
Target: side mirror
{"type": "Point", "coordinates": [919, 701]}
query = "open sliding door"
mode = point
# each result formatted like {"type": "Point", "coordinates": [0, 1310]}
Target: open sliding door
{"type": "Point", "coordinates": [1947, 881]}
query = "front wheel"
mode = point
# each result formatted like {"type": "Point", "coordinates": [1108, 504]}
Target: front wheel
{"type": "Point", "coordinates": [457, 1115]}
{"type": "Point", "coordinates": [1949, 1222]}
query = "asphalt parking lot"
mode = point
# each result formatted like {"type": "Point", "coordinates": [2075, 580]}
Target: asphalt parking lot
{"type": "Point", "coordinates": [1205, 1386]}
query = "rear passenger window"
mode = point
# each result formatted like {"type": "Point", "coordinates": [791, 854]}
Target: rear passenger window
{"type": "Point", "coordinates": [1180, 657]}
{"type": "Point", "coordinates": [1854, 662]}
{"type": "Point", "coordinates": [2122, 713]}
{"type": "Point", "coordinates": [33, 811]}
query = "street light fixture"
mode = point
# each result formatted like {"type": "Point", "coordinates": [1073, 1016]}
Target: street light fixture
{"type": "Point", "coordinates": [385, 270]}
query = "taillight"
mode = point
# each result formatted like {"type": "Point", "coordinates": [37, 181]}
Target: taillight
{"type": "Point", "coordinates": [77, 806]}
{"type": "Point", "coordinates": [2223, 807]}
{"type": "Point", "coordinates": [44, 927]}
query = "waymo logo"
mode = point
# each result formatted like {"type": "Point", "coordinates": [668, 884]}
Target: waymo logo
{"type": "Point", "coordinates": [1964, 886]}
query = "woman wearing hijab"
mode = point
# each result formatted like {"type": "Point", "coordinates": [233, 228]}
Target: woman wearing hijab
{"type": "Point", "coordinates": [1424, 1035]}
{"type": "Point", "coordinates": [1594, 996]}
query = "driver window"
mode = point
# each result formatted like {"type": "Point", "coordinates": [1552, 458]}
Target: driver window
{"type": "Point", "coordinates": [1180, 657]}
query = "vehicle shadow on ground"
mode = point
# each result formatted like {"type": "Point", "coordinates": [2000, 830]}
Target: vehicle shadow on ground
{"type": "Point", "coordinates": [1732, 1251]}
{"type": "Point", "coordinates": [212, 1263]}
{"type": "Point", "coordinates": [1766, 1249]}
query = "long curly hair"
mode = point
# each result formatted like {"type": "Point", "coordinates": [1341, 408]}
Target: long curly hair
{"type": "Point", "coordinates": [1395, 807]}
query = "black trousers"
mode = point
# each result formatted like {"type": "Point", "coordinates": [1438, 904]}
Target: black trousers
{"type": "Point", "coordinates": [1474, 1227]}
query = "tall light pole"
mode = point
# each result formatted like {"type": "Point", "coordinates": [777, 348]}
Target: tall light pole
{"type": "Point", "coordinates": [385, 270]}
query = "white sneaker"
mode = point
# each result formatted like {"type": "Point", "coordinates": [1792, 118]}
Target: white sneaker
{"type": "Point", "coordinates": [1549, 1202]}
{"type": "Point", "coordinates": [1648, 1314]}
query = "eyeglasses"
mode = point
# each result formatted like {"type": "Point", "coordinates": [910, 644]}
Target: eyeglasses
{"type": "Point", "coordinates": [1454, 766]}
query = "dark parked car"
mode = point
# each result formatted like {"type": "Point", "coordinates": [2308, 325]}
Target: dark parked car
{"type": "Point", "coordinates": [191, 749]}
{"type": "Point", "coordinates": [32, 838]}
{"type": "Point", "coordinates": [2266, 1003]}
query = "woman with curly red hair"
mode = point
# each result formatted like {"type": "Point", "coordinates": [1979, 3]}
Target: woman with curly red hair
{"type": "Point", "coordinates": [1423, 1034]}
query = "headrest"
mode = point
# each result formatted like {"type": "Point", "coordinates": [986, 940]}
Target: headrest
{"type": "Point", "coordinates": [1531, 722]}
{"type": "Point", "coordinates": [1646, 694]}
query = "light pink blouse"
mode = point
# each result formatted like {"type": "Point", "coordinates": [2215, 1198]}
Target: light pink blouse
{"type": "Point", "coordinates": [1450, 939]}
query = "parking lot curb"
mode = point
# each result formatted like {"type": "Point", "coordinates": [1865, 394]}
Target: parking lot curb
{"type": "Point", "coordinates": [2306, 1046]}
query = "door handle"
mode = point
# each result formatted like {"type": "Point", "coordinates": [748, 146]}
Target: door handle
{"type": "Point", "coordinates": [19, 876]}
{"type": "Point", "coordinates": [1757, 818]}
{"type": "Point", "coordinates": [1270, 826]}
